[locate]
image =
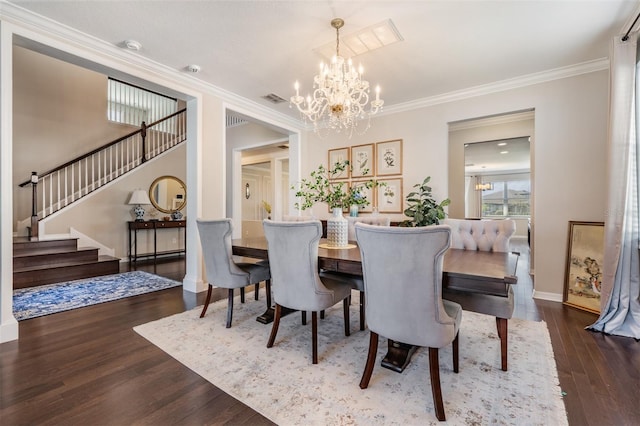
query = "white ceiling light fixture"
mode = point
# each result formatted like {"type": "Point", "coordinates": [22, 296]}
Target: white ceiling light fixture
{"type": "Point", "coordinates": [340, 95]}
{"type": "Point", "coordinates": [132, 45]}
{"type": "Point", "coordinates": [193, 68]}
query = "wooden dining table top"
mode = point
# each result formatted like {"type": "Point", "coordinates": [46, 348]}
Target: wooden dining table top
{"type": "Point", "coordinates": [463, 270]}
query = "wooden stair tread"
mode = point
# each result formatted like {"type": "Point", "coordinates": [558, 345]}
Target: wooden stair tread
{"type": "Point", "coordinates": [50, 251]}
{"type": "Point", "coordinates": [101, 259]}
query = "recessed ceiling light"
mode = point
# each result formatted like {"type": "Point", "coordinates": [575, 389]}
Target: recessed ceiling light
{"type": "Point", "coordinates": [193, 68]}
{"type": "Point", "coordinates": [502, 144]}
{"type": "Point", "coordinates": [504, 152]}
{"type": "Point", "coordinates": [132, 45]}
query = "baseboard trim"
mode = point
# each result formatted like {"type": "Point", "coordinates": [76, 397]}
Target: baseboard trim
{"type": "Point", "coordinates": [9, 330]}
{"type": "Point", "coordinates": [543, 295]}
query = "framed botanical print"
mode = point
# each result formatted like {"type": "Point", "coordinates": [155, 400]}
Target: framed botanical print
{"type": "Point", "coordinates": [389, 158]}
{"type": "Point", "coordinates": [368, 193]}
{"type": "Point", "coordinates": [362, 161]}
{"type": "Point", "coordinates": [585, 259]}
{"type": "Point", "coordinates": [338, 156]}
{"type": "Point", "coordinates": [389, 195]}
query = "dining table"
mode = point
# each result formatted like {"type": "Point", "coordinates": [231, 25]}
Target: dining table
{"type": "Point", "coordinates": [467, 271]}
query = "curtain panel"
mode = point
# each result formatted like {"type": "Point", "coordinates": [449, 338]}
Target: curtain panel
{"type": "Point", "coordinates": [620, 306]}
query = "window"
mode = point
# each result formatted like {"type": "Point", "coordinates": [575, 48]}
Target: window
{"type": "Point", "coordinates": [509, 197]}
{"type": "Point", "coordinates": [132, 105]}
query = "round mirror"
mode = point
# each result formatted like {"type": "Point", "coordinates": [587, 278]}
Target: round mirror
{"type": "Point", "coordinates": [168, 194]}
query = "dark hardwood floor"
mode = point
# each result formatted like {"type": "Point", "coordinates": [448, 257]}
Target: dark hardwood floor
{"type": "Point", "coordinates": [88, 367]}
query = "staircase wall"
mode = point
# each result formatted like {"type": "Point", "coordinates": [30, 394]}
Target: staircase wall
{"type": "Point", "coordinates": [103, 215]}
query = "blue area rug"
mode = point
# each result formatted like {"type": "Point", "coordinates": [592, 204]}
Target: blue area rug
{"type": "Point", "coordinates": [48, 299]}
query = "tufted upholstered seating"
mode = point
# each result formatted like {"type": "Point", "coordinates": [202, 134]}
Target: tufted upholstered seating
{"type": "Point", "coordinates": [369, 220]}
{"type": "Point", "coordinates": [483, 235]}
{"type": "Point", "coordinates": [404, 297]}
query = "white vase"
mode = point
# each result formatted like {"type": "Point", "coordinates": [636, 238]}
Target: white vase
{"type": "Point", "coordinates": [337, 229]}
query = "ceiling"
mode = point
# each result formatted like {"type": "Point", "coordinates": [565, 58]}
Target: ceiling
{"type": "Point", "coordinates": [253, 48]}
{"type": "Point", "coordinates": [497, 156]}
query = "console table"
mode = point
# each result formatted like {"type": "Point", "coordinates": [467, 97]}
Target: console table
{"type": "Point", "coordinates": [154, 225]}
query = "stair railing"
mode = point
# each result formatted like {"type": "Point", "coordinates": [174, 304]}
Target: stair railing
{"type": "Point", "coordinates": [73, 180]}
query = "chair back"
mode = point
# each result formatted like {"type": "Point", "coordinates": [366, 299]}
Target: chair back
{"type": "Point", "coordinates": [402, 269]}
{"type": "Point", "coordinates": [215, 239]}
{"type": "Point", "coordinates": [370, 220]}
{"type": "Point", "coordinates": [483, 235]}
{"type": "Point", "coordinates": [290, 218]}
{"type": "Point", "coordinates": [293, 259]}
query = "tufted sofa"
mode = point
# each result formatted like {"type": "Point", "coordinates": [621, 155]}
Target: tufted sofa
{"type": "Point", "coordinates": [483, 235]}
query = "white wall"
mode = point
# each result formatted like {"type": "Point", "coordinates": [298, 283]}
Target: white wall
{"type": "Point", "coordinates": [568, 156]}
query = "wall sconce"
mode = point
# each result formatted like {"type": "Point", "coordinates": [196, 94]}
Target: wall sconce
{"type": "Point", "coordinates": [247, 191]}
{"type": "Point", "coordinates": [487, 186]}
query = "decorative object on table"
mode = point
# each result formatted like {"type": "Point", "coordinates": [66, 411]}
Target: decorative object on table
{"type": "Point", "coordinates": [168, 194]}
{"type": "Point", "coordinates": [290, 384]}
{"type": "Point", "coordinates": [267, 208]}
{"type": "Point", "coordinates": [353, 210]}
{"type": "Point", "coordinates": [337, 229]}
{"type": "Point", "coordinates": [139, 198]}
{"type": "Point", "coordinates": [339, 156]}
{"type": "Point", "coordinates": [423, 209]}
{"type": "Point", "coordinates": [362, 160]}
{"type": "Point", "coordinates": [389, 158]}
{"type": "Point", "coordinates": [176, 215]}
{"type": "Point", "coordinates": [362, 194]}
{"type": "Point", "coordinates": [339, 196]}
{"type": "Point", "coordinates": [585, 259]}
{"type": "Point", "coordinates": [340, 95]}
{"type": "Point", "coordinates": [389, 198]}
{"type": "Point", "coordinates": [48, 299]}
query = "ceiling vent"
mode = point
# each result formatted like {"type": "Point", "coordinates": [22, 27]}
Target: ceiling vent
{"type": "Point", "coordinates": [273, 98]}
{"type": "Point", "coordinates": [235, 121]}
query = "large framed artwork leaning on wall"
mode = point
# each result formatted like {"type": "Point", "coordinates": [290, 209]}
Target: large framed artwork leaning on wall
{"type": "Point", "coordinates": [585, 258]}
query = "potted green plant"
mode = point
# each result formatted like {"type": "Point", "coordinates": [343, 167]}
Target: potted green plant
{"type": "Point", "coordinates": [422, 208]}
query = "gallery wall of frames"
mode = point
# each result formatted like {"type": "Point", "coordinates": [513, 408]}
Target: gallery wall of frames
{"type": "Point", "coordinates": [382, 162]}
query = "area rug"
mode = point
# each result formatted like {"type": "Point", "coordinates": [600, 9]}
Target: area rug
{"type": "Point", "coordinates": [283, 385]}
{"type": "Point", "coordinates": [52, 298]}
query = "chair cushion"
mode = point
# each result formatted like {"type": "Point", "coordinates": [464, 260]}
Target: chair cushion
{"type": "Point", "coordinates": [257, 271]}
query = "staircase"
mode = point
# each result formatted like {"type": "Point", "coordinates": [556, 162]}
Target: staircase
{"type": "Point", "coordinates": [51, 261]}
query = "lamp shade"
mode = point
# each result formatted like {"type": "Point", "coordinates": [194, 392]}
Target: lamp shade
{"type": "Point", "coordinates": [139, 196]}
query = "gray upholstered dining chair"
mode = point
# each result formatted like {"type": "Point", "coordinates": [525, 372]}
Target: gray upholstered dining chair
{"type": "Point", "coordinates": [371, 220]}
{"type": "Point", "coordinates": [222, 271]}
{"type": "Point", "coordinates": [485, 235]}
{"type": "Point", "coordinates": [293, 258]}
{"type": "Point", "coordinates": [411, 310]}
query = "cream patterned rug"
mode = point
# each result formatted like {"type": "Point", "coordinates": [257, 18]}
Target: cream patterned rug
{"type": "Point", "coordinates": [283, 385]}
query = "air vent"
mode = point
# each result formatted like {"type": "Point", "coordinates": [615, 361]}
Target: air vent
{"type": "Point", "coordinates": [273, 98]}
{"type": "Point", "coordinates": [235, 121]}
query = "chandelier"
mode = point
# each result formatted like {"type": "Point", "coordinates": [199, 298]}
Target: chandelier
{"type": "Point", "coordinates": [340, 95]}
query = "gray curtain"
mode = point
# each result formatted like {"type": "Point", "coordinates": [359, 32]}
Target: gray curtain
{"type": "Point", "coordinates": [620, 304]}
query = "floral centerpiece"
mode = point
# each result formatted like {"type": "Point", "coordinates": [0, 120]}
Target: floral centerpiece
{"type": "Point", "coordinates": [320, 188]}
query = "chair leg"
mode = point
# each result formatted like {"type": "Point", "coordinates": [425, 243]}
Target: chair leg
{"type": "Point", "coordinates": [322, 314]}
{"type": "Point", "coordinates": [256, 292]}
{"type": "Point", "coordinates": [206, 302]}
{"type": "Point", "coordinates": [267, 289]}
{"type": "Point", "coordinates": [345, 307]}
{"type": "Point", "coordinates": [436, 390]}
{"type": "Point", "coordinates": [371, 360]}
{"type": "Point", "coordinates": [274, 326]}
{"type": "Point", "coordinates": [241, 294]}
{"type": "Point", "coordinates": [304, 317]}
{"type": "Point", "coordinates": [455, 353]}
{"type": "Point", "coordinates": [314, 337]}
{"type": "Point", "coordinates": [362, 317]}
{"type": "Point", "coordinates": [230, 308]}
{"type": "Point", "coordinates": [501, 324]}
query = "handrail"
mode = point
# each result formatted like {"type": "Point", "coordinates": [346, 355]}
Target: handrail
{"type": "Point", "coordinates": [101, 148]}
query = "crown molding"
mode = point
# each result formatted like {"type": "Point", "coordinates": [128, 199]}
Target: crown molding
{"type": "Point", "coordinates": [503, 85]}
{"type": "Point", "coordinates": [492, 120]}
{"type": "Point", "coordinates": [71, 41]}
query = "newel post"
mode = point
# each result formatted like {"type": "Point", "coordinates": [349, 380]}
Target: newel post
{"type": "Point", "coordinates": [143, 134]}
{"type": "Point", "coordinates": [33, 233]}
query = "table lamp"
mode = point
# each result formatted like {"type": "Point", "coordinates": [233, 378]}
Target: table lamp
{"type": "Point", "coordinates": [139, 197]}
